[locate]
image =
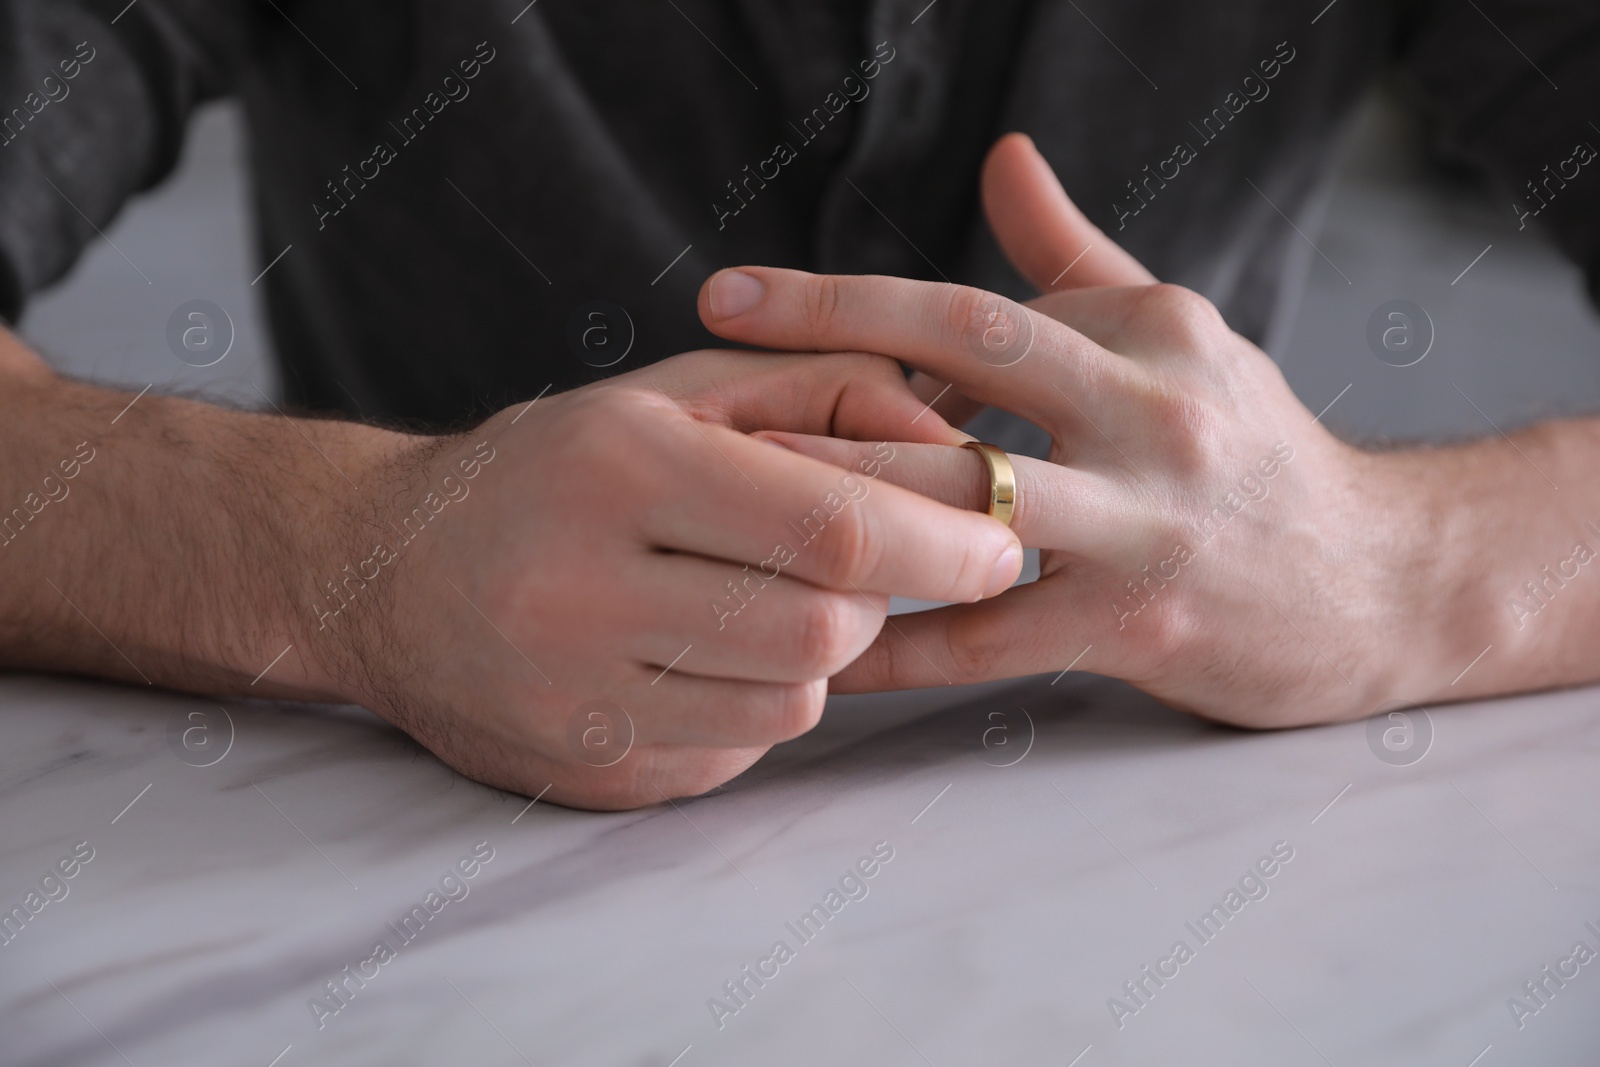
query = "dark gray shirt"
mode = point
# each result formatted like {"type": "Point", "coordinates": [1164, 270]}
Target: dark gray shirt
{"type": "Point", "coordinates": [461, 179]}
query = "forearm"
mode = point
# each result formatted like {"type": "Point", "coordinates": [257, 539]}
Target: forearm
{"type": "Point", "coordinates": [1505, 562]}
{"type": "Point", "coordinates": [170, 542]}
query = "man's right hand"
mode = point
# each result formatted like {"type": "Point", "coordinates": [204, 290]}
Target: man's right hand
{"type": "Point", "coordinates": [631, 578]}
{"type": "Point", "coordinates": [614, 593]}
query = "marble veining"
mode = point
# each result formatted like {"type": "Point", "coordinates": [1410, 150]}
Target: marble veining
{"type": "Point", "coordinates": [1050, 846]}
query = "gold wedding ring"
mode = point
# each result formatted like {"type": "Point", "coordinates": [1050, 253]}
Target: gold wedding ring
{"type": "Point", "coordinates": [1002, 479]}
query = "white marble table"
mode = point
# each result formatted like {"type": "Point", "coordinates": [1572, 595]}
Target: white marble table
{"type": "Point", "coordinates": [1018, 901]}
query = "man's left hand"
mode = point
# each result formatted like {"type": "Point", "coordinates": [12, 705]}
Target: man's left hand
{"type": "Point", "coordinates": [1203, 535]}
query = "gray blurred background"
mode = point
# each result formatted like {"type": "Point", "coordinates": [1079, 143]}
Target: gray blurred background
{"type": "Point", "coordinates": [1515, 333]}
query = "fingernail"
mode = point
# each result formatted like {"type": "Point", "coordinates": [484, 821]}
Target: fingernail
{"type": "Point", "coordinates": [1006, 570]}
{"type": "Point", "coordinates": [733, 293]}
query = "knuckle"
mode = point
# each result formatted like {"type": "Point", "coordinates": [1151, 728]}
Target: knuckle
{"type": "Point", "coordinates": [972, 648]}
{"type": "Point", "coordinates": [825, 634]}
{"type": "Point", "coordinates": [608, 431]}
{"type": "Point", "coordinates": [602, 414]}
{"type": "Point", "coordinates": [821, 303]}
{"type": "Point", "coordinates": [1191, 432]}
{"type": "Point", "coordinates": [966, 314]}
{"type": "Point", "coordinates": [610, 399]}
{"type": "Point", "coordinates": [1182, 316]}
{"type": "Point", "coordinates": [797, 710]}
{"type": "Point", "coordinates": [1166, 626]}
{"type": "Point", "coordinates": [847, 551]}
{"type": "Point", "coordinates": [881, 662]}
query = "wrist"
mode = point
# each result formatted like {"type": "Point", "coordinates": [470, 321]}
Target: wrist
{"type": "Point", "coordinates": [1433, 587]}
{"type": "Point", "coordinates": [163, 541]}
{"type": "Point", "coordinates": [325, 603]}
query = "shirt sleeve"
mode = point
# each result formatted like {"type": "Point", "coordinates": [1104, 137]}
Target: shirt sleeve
{"type": "Point", "coordinates": [94, 98]}
{"type": "Point", "coordinates": [1515, 88]}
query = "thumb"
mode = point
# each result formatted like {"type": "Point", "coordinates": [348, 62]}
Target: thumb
{"type": "Point", "coordinates": [1041, 230]}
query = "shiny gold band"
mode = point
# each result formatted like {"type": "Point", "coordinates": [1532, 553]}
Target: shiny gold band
{"type": "Point", "coordinates": [1002, 480]}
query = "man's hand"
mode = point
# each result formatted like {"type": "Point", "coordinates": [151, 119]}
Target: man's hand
{"type": "Point", "coordinates": [633, 569]}
{"type": "Point", "coordinates": [1204, 537]}
{"type": "Point", "coordinates": [613, 593]}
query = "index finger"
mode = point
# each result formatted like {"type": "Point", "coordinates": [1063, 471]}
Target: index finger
{"type": "Point", "coordinates": [989, 347]}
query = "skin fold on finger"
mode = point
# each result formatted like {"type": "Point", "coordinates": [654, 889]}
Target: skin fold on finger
{"type": "Point", "coordinates": [1057, 507]}
{"type": "Point", "coordinates": [708, 618]}
{"type": "Point", "coordinates": [1040, 229]}
{"type": "Point", "coordinates": [754, 502]}
{"type": "Point", "coordinates": [992, 349]}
